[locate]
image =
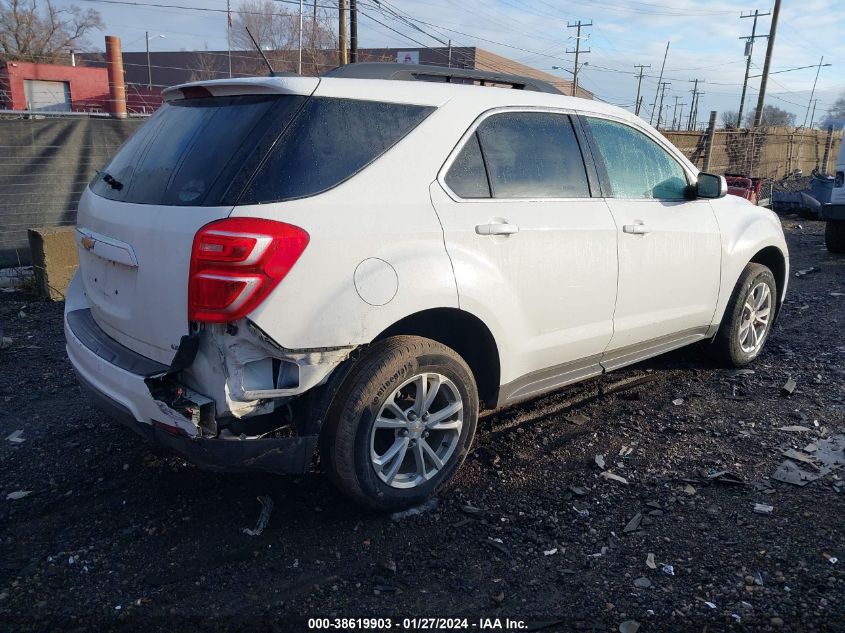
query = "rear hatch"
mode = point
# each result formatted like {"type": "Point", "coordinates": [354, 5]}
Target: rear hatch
{"type": "Point", "coordinates": [185, 167]}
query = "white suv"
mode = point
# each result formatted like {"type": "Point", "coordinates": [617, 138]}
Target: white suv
{"type": "Point", "coordinates": [273, 263]}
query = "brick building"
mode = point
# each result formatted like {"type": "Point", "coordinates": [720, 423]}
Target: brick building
{"type": "Point", "coordinates": [176, 67]}
{"type": "Point", "coordinates": [61, 88]}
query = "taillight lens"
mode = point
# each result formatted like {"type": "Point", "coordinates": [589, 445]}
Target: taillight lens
{"type": "Point", "coordinates": [236, 263]}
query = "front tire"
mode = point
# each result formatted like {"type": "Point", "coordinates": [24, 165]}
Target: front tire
{"type": "Point", "coordinates": [748, 318]}
{"type": "Point", "coordinates": [402, 423]}
{"type": "Point", "coordinates": [834, 236]}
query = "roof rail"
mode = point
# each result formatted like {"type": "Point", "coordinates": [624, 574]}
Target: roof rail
{"type": "Point", "coordinates": [422, 72]}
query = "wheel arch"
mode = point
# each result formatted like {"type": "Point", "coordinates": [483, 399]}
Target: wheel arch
{"type": "Point", "coordinates": [465, 333]}
{"type": "Point", "coordinates": [772, 258]}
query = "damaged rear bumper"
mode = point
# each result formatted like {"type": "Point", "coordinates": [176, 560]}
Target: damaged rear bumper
{"type": "Point", "coordinates": [116, 378]}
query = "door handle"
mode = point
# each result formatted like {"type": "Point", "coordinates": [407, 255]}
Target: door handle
{"type": "Point", "coordinates": [636, 229]}
{"type": "Point", "coordinates": [502, 228]}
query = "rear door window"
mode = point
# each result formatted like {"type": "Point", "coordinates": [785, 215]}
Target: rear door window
{"type": "Point", "coordinates": [330, 141]}
{"type": "Point", "coordinates": [189, 151]}
{"type": "Point", "coordinates": [533, 155]}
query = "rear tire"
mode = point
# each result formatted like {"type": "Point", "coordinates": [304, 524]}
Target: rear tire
{"type": "Point", "coordinates": [748, 317]}
{"type": "Point", "coordinates": [834, 236]}
{"type": "Point", "coordinates": [401, 424]}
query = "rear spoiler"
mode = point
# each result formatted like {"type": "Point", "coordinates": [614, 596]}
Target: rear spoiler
{"type": "Point", "coordinates": [285, 85]}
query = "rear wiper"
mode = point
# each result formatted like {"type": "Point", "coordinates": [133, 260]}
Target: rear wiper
{"type": "Point", "coordinates": [111, 181]}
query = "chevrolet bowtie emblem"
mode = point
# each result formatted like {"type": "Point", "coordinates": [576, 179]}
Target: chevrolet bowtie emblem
{"type": "Point", "coordinates": [88, 243]}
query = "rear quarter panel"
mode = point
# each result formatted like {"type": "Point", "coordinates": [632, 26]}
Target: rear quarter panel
{"type": "Point", "coordinates": [382, 213]}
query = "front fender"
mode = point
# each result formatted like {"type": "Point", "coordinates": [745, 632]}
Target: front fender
{"type": "Point", "coordinates": [747, 231]}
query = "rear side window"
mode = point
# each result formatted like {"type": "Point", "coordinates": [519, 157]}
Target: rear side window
{"type": "Point", "coordinates": [467, 176]}
{"type": "Point", "coordinates": [533, 155]}
{"type": "Point", "coordinates": [637, 167]}
{"type": "Point", "coordinates": [191, 149]}
{"type": "Point", "coordinates": [330, 141]}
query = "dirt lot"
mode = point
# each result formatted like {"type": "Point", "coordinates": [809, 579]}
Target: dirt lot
{"type": "Point", "coordinates": [116, 534]}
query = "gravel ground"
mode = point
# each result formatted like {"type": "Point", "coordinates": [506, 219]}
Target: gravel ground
{"type": "Point", "coordinates": [119, 535]}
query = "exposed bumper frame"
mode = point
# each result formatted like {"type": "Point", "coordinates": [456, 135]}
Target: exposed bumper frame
{"type": "Point", "coordinates": [97, 358]}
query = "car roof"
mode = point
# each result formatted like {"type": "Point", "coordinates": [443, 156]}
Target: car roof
{"type": "Point", "coordinates": [424, 93]}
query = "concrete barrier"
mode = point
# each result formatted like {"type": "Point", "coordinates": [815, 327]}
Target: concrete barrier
{"type": "Point", "coordinates": [54, 260]}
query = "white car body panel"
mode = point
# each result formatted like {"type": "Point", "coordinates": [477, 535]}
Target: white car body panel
{"type": "Point", "coordinates": [568, 291]}
{"type": "Point", "coordinates": [143, 307]}
{"type": "Point", "coordinates": [668, 277]}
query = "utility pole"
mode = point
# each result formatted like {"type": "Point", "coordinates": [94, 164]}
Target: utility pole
{"type": "Point", "coordinates": [758, 114]}
{"type": "Point", "coordinates": [693, 110]}
{"type": "Point", "coordinates": [637, 103]}
{"type": "Point", "coordinates": [353, 30]}
{"type": "Point", "coordinates": [813, 91]}
{"type": "Point", "coordinates": [749, 50]}
{"type": "Point", "coordinates": [660, 79]}
{"type": "Point", "coordinates": [681, 116]}
{"type": "Point", "coordinates": [663, 85]}
{"type": "Point", "coordinates": [149, 65]}
{"type": "Point", "coordinates": [342, 59]}
{"type": "Point", "coordinates": [813, 117]}
{"type": "Point", "coordinates": [577, 51]}
{"type": "Point", "coordinates": [675, 113]}
{"type": "Point", "coordinates": [299, 64]}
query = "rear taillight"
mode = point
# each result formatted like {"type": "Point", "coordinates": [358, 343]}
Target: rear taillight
{"type": "Point", "coordinates": [236, 263]}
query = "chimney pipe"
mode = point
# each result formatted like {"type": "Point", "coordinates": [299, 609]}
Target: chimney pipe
{"type": "Point", "coordinates": [117, 87]}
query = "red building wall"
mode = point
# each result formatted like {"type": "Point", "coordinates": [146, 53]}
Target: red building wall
{"type": "Point", "coordinates": [89, 87]}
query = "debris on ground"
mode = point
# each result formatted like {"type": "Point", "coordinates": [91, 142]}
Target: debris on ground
{"type": "Point", "coordinates": [649, 561]}
{"type": "Point", "coordinates": [822, 458]}
{"type": "Point", "coordinates": [600, 461]}
{"type": "Point", "coordinates": [429, 505]}
{"type": "Point", "coordinates": [18, 494]}
{"type": "Point", "coordinates": [263, 518]}
{"type": "Point", "coordinates": [609, 475]}
{"type": "Point", "coordinates": [807, 271]}
{"type": "Point", "coordinates": [5, 342]}
{"type": "Point", "coordinates": [762, 508]}
{"type": "Point", "coordinates": [16, 437]}
{"type": "Point", "coordinates": [629, 626]}
{"type": "Point", "coordinates": [789, 387]}
{"type": "Point", "coordinates": [634, 524]}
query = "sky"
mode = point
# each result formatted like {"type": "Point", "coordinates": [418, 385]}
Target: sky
{"type": "Point", "coordinates": [703, 41]}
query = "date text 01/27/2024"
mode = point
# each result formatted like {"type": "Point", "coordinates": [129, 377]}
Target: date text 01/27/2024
{"type": "Point", "coordinates": [416, 624]}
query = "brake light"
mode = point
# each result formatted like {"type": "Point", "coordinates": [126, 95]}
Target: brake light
{"type": "Point", "coordinates": [236, 263]}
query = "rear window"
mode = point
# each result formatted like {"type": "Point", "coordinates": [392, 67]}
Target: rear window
{"type": "Point", "coordinates": [191, 150]}
{"type": "Point", "coordinates": [252, 149]}
{"type": "Point", "coordinates": [330, 141]}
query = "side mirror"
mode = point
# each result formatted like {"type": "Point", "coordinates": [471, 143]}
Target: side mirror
{"type": "Point", "coordinates": [711, 186]}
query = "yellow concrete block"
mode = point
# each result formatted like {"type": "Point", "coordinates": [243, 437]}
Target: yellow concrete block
{"type": "Point", "coordinates": [54, 260]}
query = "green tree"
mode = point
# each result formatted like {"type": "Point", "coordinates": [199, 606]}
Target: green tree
{"type": "Point", "coordinates": [41, 32]}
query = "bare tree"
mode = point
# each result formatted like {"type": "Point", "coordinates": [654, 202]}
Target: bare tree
{"type": "Point", "coordinates": [773, 116]}
{"type": "Point", "coordinates": [276, 30]}
{"type": "Point", "coordinates": [206, 66]}
{"type": "Point", "coordinates": [41, 32]}
{"type": "Point", "coordinates": [729, 118]}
